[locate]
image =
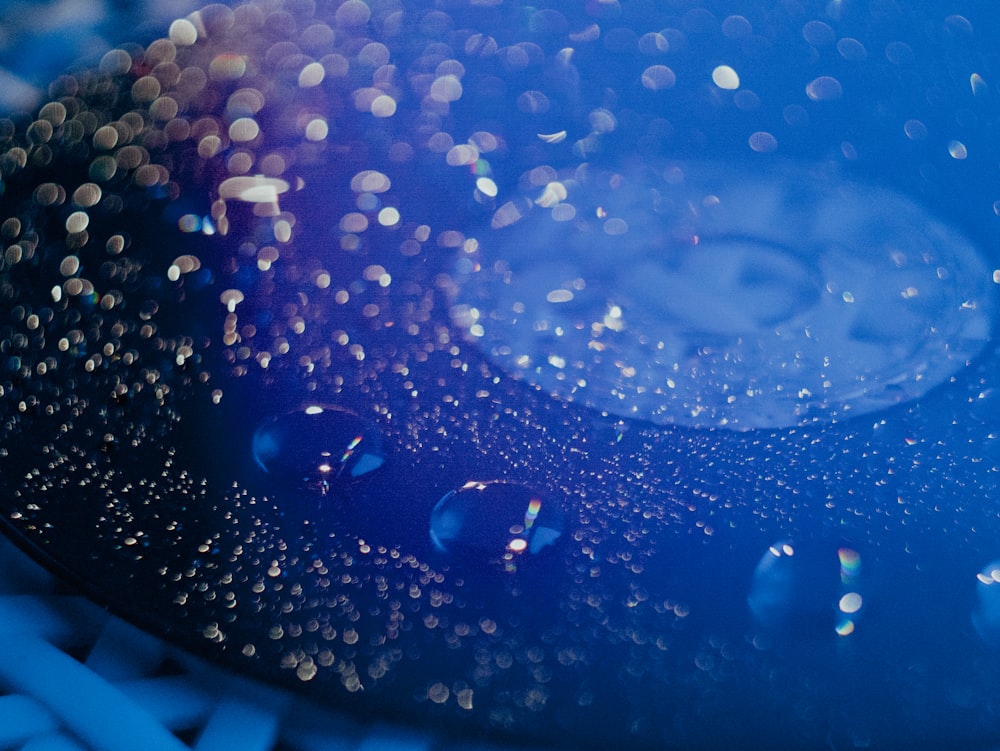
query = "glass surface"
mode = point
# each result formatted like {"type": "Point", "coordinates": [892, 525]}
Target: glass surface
{"type": "Point", "coordinates": [612, 374]}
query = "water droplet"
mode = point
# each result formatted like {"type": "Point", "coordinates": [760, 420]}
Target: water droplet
{"type": "Point", "coordinates": [799, 589]}
{"type": "Point", "coordinates": [986, 616]}
{"type": "Point", "coordinates": [725, 77]}
{"type": "Point", "coordinates": [317, 447]}
{"type": "Point", "coordinates": [495, 523]}
{"type": "Point", "coordinates": [824, 89]}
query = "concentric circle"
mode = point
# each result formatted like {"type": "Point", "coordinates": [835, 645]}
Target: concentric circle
{"type": "Point", "coordinates": [703, 296]}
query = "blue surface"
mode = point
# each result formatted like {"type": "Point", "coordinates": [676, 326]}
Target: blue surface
{"type": "Point", "coordinates": [819, 579]}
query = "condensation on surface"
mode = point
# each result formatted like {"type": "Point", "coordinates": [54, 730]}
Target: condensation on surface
{"type": "Point", "coordinates": [697, 295]}
{"type": "Point", "coordinates": [276, 207]}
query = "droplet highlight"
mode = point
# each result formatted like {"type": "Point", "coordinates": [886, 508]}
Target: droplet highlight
{"type": "Point", "coordinates": [495, 524]}
{"type": "Point", "coordinates": [317, 447]}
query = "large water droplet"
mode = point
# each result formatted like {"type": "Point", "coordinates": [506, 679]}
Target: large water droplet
{"type": "Point", "coordinates": [317, 447]}
{"type": "Point", "coordinates": [494, 523]}
{"type": "Point", "coordinates": [809, 591]}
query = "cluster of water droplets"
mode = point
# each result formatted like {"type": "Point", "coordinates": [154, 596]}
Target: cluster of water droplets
{"type": "Point", "coordinates": [366, 342]}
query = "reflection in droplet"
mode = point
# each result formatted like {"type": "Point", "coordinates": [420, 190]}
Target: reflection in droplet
{"type": "Point", "coordinates": [824, 89]}
{"type": "Point", "coordinates": [725, 77]}
{"type": "Point", "coordinates": [231, 298]}
{"type": "Point", "coordinates": [818, 33]}
{"type": "Point", "coordinates": [658, 77]}
{"type": "Point", "coordinates": [986, 616]}
{"type": "Point", "coordinates": [736, 27]}
{"type": "Point", "coordinates": [796, 590]}
{"type": "Point", "coordinates": [915, 130]}
{"type": "Point", "coordinates": [317, 447]}
{"type": "Point", "coordinates": [743, 301]}
{"type": "Point", "coordinates": [979, 87]}
{"type": "Point", "coordinates": [763, 142]}
{"type": "Point", "coordinates": [258, 189]}
{"type": "Point", "coordinates": [494, 523]}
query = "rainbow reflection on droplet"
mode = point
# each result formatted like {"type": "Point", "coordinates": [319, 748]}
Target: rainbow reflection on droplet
{"type": "Point", "coordinates": [317, 447]}
{"type": "Point", "coordinates": [797, 590]}
{"type": "Point", "coordinates": [494, 523]}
